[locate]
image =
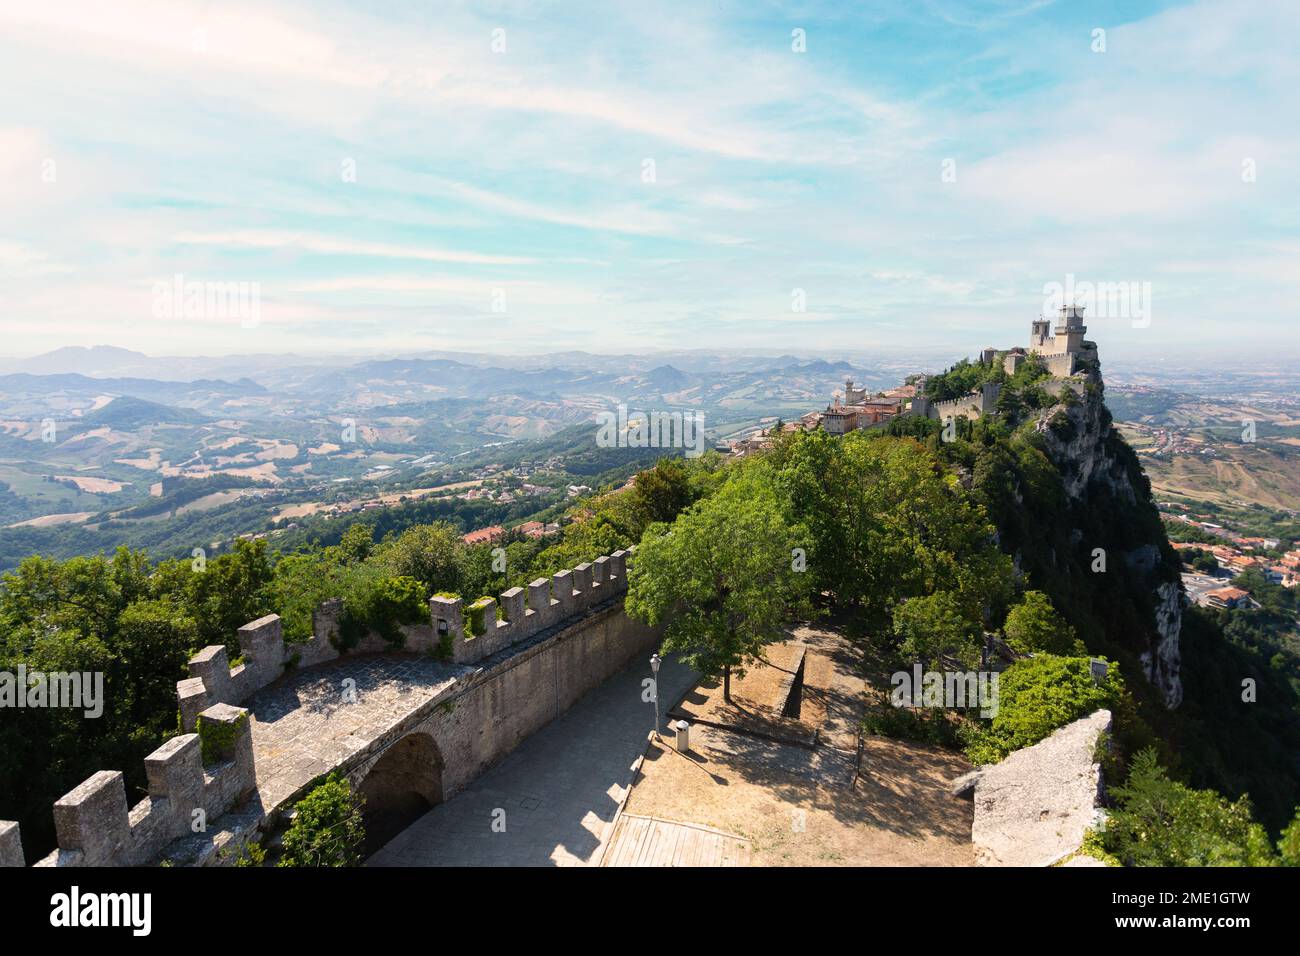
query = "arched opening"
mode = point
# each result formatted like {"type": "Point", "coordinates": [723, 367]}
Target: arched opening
{"type": "Point", "coordinates": [402, 785]}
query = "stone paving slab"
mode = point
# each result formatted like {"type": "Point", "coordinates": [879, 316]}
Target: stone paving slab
{"type": "Point", "coordinates": [559, 789]}
{"type": "Point", "coordinates": [303, 725]}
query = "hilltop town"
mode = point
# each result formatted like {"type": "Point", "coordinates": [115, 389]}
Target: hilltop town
{"type": "Point", "coordinates": [1215, 556]}
{"type": "Point", "coordinates": [1060, 352]}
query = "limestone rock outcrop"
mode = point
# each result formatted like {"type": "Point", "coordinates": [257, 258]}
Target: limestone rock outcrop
{"type": "Point", "coordinates": [1034, 807]}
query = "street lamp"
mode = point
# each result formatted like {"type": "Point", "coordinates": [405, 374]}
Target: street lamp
{"type": "Point", "coordinates": [655, 661]}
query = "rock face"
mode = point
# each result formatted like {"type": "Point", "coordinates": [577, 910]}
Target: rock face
{"type": "Point", "coordinates": [1163, 661]}
{"type": "Point", "coordinates": [1112, 514]}
{"type": "Point", "coordinates": [1034, 807]}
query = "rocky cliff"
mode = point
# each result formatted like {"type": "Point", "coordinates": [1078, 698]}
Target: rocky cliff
{"type": "Point", "coordinates": [1114, 521]}
{"type": "Point", "coordinates": [1074, 508]}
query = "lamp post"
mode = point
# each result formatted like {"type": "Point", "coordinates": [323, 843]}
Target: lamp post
{"type": "Point", "coordinates": [655, 661]}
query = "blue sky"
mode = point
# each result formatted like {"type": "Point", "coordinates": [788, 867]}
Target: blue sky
{"type": "Point", "coordinates": [501, 154]}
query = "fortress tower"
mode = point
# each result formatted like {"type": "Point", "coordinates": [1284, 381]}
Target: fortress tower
{"type": "Point", "coordinates": [853, 396]}
{"type": "Point", "coordinates": [1040, 335]}
{"type": "Point", "coordinates": [1070, 329]}
{"type": "Point", "coordinates": [1063, 350]}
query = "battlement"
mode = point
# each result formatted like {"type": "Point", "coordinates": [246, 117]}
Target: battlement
{"type": "Point", "coordinates": [564, 596]}
{"type": "Point", "coordinates": [982, 400]}
{"type": "Point", "coordinates": [210, 768]}
{"type": "Point", "coordinates": [193, 779]}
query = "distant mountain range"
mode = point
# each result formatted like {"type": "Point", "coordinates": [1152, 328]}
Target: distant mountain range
{"type": "Point", "coordinates": [106, 361]}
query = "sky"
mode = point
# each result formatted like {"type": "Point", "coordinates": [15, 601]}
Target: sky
{"type": "Point", "coordinates": [528, 177]}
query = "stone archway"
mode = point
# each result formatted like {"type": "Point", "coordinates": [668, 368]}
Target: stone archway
{"type": "Point", "coordinates": [404, 783]}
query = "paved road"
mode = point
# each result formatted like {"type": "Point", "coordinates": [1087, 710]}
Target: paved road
{"type": "Point", "coordinates": [1197, 584]}
{"type": "Point", "coordinates": [559, 789]}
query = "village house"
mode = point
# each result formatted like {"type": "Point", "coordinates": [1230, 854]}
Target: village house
{"type": "Point", "coordinates": [482, 535]}
{"type": "Point", "coordinates": [1229, 597]}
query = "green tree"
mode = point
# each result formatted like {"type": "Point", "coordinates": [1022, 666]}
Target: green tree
{"type": "Point", "coordinates": [152, 646]}
{"type": "Point", "coordinates": [1160, 822]}
{"type": "Point", "coordinates": [888, 522]}
{"type": "Point", "coordinates": [722, 579]}
{"type": "Point", "coordinates": [356, 543]}
{"type": "Point", "coordinates": [432, 554]}
{"type": "Point", "coordinates": [1033, 625]}
{"type": "Point", "coordinates": [1288, 847]}
{"type": "Point", "coordinates": [935, 624]}
{"type": "Point", "coordinates": [662, 492]}
{"type": "Point", "coordinates": [230, 591]}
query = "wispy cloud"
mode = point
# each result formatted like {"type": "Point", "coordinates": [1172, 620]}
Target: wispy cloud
{"type": "Point", "coordinates": [638, 180]}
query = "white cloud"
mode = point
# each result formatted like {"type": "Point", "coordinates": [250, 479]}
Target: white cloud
{"type": "Point", "coordinates": [335, 245]}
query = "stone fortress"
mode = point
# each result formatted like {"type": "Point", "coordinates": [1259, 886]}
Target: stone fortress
{"type": "Point", "coordinates": [423, 721]}
{"type": "Point", "coordinates": [1063, 350]}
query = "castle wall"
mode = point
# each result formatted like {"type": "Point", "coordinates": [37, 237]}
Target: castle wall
{"type": "Point", "coordinates": [561, 638]}
{"type": "Point", "coordinates": [266, 655]}
{"type": "Point", "coordinates": [967, 406]}
{"type": "Point", "coordinates": [486, 716]}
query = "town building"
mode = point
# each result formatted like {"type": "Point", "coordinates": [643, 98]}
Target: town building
{"type": "Point", "coordinates": [1229, 597]}
{"type": "Point", "coordinates": [483, 535]}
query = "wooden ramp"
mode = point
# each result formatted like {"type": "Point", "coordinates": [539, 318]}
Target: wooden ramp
{"type": "Point", "coordinates": [646, 841]}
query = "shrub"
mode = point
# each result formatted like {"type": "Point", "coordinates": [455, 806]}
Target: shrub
{"type": "Point", "coordinates": [474, 621]}
{"type": "Point", "coordinates": [1040, 694]}
{"type": "Point", "coordinates": [382, 605]}
{"type": "Point", "coordinates": [327, 828]}
{"type": "Point", "coordinates": [917, 724]}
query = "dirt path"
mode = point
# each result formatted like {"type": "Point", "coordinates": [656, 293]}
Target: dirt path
{"type": "Point", "coordinates": [807, 806]}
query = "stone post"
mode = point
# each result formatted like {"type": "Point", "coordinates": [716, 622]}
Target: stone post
{"type": "Point", "coordinates": [212, 666]}
{"type": "Point", "coordinates": [512, 604]}
{"type": "Point", "coordinates": [263, 646]}
{"type": "Point", "coordinates": [193, 697]}
{"type": "Point", "coordinates": [582, 585]}
{"type": "Point", "coordinates": [562, 594]}
{"type": "Point", "coordinates": [93, 818]}
{"type": "Point", "coordinates": [175, 773]}
{"type": "Point", "coordinates": [539, 602]}
{"type": "Point", "coordinates": [11, 844]}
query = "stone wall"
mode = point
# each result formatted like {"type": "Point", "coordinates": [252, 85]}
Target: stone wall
{"type": "Point", "coordinates": [977, 403]}
{"type": "Point", "coordinates": [491, 711]}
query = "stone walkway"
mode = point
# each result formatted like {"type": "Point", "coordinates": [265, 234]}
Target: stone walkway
{"type": "Point", "coordinates": [306, 724]}
{"type": "Point", "coordinates": [555, 794]}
